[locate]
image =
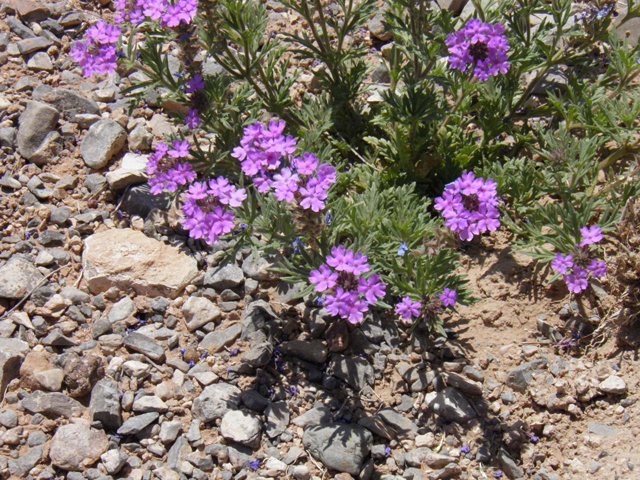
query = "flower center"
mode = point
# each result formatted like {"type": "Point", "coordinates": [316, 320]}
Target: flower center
{"type": "Point", "coordinates": [479, 51]}
{"type": "Point", "coordinates": [471, 203]}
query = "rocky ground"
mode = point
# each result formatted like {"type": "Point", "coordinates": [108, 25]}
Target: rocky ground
{"type": "Point", "coordinates": [125, 352]}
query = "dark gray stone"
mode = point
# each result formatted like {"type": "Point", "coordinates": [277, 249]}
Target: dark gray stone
{"type": "Point", "coordinates": [145, 345]}
{"type": "Point", "coordinates": [509, 467]}
{"type": "Point", "coordinates": [136, 424]}
{"type": "Point", "coordinates": [52, 403]}
{"type": "Point", "coordinates": [19, 28]}
{"type": "Point", "coordinates": [71, 104]}
{"type": "Point", "coordinates": [104, 139]}
{"type": "Point", "coordinates": [316, 416]}
{"type": "Point", "coordinates": [105, 404]}
{"type": "Point", "coordinates": [277, 419]}
{"type": "Point", "coordinates": [253, 400]}
{"type": "Point", "coordinates": [312, 351]}
{"type": "Point", "coordinates": [23, 465]}
{"type": "Point", "coordinates": [12, 352]}
{"type": "Point", "coordinates": [356, 372]}
{"type": "Point", "coordinates": [218, 339]}
{"type": "Point", "coordinates": [259, 354]}
{"type": "Point", "coordinates": [139, 201]}
{"type": "Point", "coordinates": [339, 446]}
{"type": "Point", "coordinates": [35, 124]}
{"type": "Point", "coordinates": [519, 378]}
{"type": "Point", "coordinates": [30, 45]}
{"type": "Point", "coordinates": [229, 276]}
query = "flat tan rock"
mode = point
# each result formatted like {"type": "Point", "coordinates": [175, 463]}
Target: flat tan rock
{"type": "Point", "coordinates": [77, 447]}
{"type": "Point", "coordinates": [128, 259]}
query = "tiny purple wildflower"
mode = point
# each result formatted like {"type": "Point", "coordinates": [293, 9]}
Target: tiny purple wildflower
{"type": "Point", "coordinates": [597, 269]}
{"type": "Point", "coordinates": [407, 309]}
{"type": "Point", "coordinates": [561, 264]}
{"type": "Point", "coordinates": [465, 449]}
{"type": "Point", "coordinates": [590, 235]}
{"type": "Point", "coordinates": [449, 297]}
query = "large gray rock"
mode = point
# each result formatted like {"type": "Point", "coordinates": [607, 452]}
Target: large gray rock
{"type": "Point", "coordinates": [217, 340]}
{"type": "Point", "coordinates": [519, 378]}
{"type": "Point", "coordinates": [258, 267]}
{"type": "Point", "coordinates": [242, 428]}
{"type": "Point", "coordinates": [52, 403]}
{"type": "Point", "coordinates": [77, 446]}
{"type": "Point", "coordinates": [312, 351]}
{"type": "Point", "coordinates": [259, 354]}
{"type": "Point", "coordinates": [103, 140]}
{"type": "Point", "coordinates": [128, 259]}
{"type": "Point", "coordinates": [198, 311]}
{"type": "Point", "coordinates": [105, 404]}
{"type": "Point", "coordinates": [450, 404]}
{"type": "Point", "coordinates": [21, 466]}
{"type": "Point", "coordinates": [229, 276]}
{"type": "Point", "coordinates": [316, 416]}
{"type": "Point", "coordinates": [35, 124]}
{"type": "Point", "coordinates": [12, 353]}
{"type": "Point", "coordinates": [71, 104]}
{"type": "Point", "coordinates": [141, 343]}
{"type": "Point", "coordinates": [339, 446]}
{"type": "Point", "coordinates": [134, 425]}
{"type": "Point", "coordinates": [356, 372]}
{"type": "Point", "coordinates": [277, 418]}
{"type": "Point", "coordinates": [215, 401]}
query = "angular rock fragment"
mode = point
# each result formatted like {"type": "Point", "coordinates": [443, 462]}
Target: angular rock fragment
{"type": "Point", "coordinates": [127, 259]}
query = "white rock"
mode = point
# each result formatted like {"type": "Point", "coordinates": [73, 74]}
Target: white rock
{"type": "Point", "coordinates": [613, 384]}
{"type": "Point", "coordinates": [149, 403]}
{"type": "Point", "coordinates": [131, 172]}
{"type": "Point", "coordinates": [114, 460]}
{"type": "Point", "coordinates": [135, 369]}
{"type": "Point", "coordinates": [241, 427]}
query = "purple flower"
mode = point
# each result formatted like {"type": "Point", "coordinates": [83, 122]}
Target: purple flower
{"type": "Point", "coordinates": [387, 452]}
{"type": "Point", "coordinates": [534, 439]}
{"type": "Point", "coordinates": [372, 288]}
{"type": "Point", "coordinates": [196, 83]}
{"type": "Point", "coordinates": [180, 149]}
{"type": "Point", "coordinates": [341, 259]}
{"type": "Point", "coordinates": [498, 474]}
{"type": "Point", "coordinates": [407, 309]}
{"type": "Point", "coordinates": [577, 281]}
{"type": "Point", "coordinates": [481, 46]}
{"type": "Point", "coordinates": [98, 54]}
{"type": "Point", "coordinates": [402, 250]}
{"type": "Point", "coordinates": [449, 297]}
{"type": "Point", "coordinates": [323, 278]}
{"type": "Point", "coordinates": [465, 449]}
{"type": "Point", "coordinates": [192, 120]}
{"type": "Point", "coordinates": [597, 269]}
{"type": "Point", "coordinates": [590, 235]}
{"type": "Point", "coordinates": [469, 206]}
{"type": "Point", "coordinates": [254, 464]}
{"type": "Point", "coordinates": [347, 293]}
{"type": "Point", "coordinates": [561, 264]}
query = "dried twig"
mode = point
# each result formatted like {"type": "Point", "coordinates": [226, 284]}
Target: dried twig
{"type": "Point", "coordinates": [24, 299]}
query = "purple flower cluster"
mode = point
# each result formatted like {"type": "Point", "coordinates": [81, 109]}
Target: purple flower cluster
{"type": "Point", "coordinates": [481, 45]}
{"type": "Point", "coordinates": [169, 14]}
{"type": "Point", "coordinates": [165, 173]}
{"type": "Point", "coordinates": [408, 309]}
{"type": "Point", "coordinates": [576, 266]}
{"type": "Point", "coordinates": [267, 156]}
{"type": "Point", "coordinates": [97, 54]}
{"type": "Point", "coordinates": [469, 206]}
{"type": "Point", "coordinates": [206, 211]}
{"type": "Point", "coordinates": [343, 275]}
